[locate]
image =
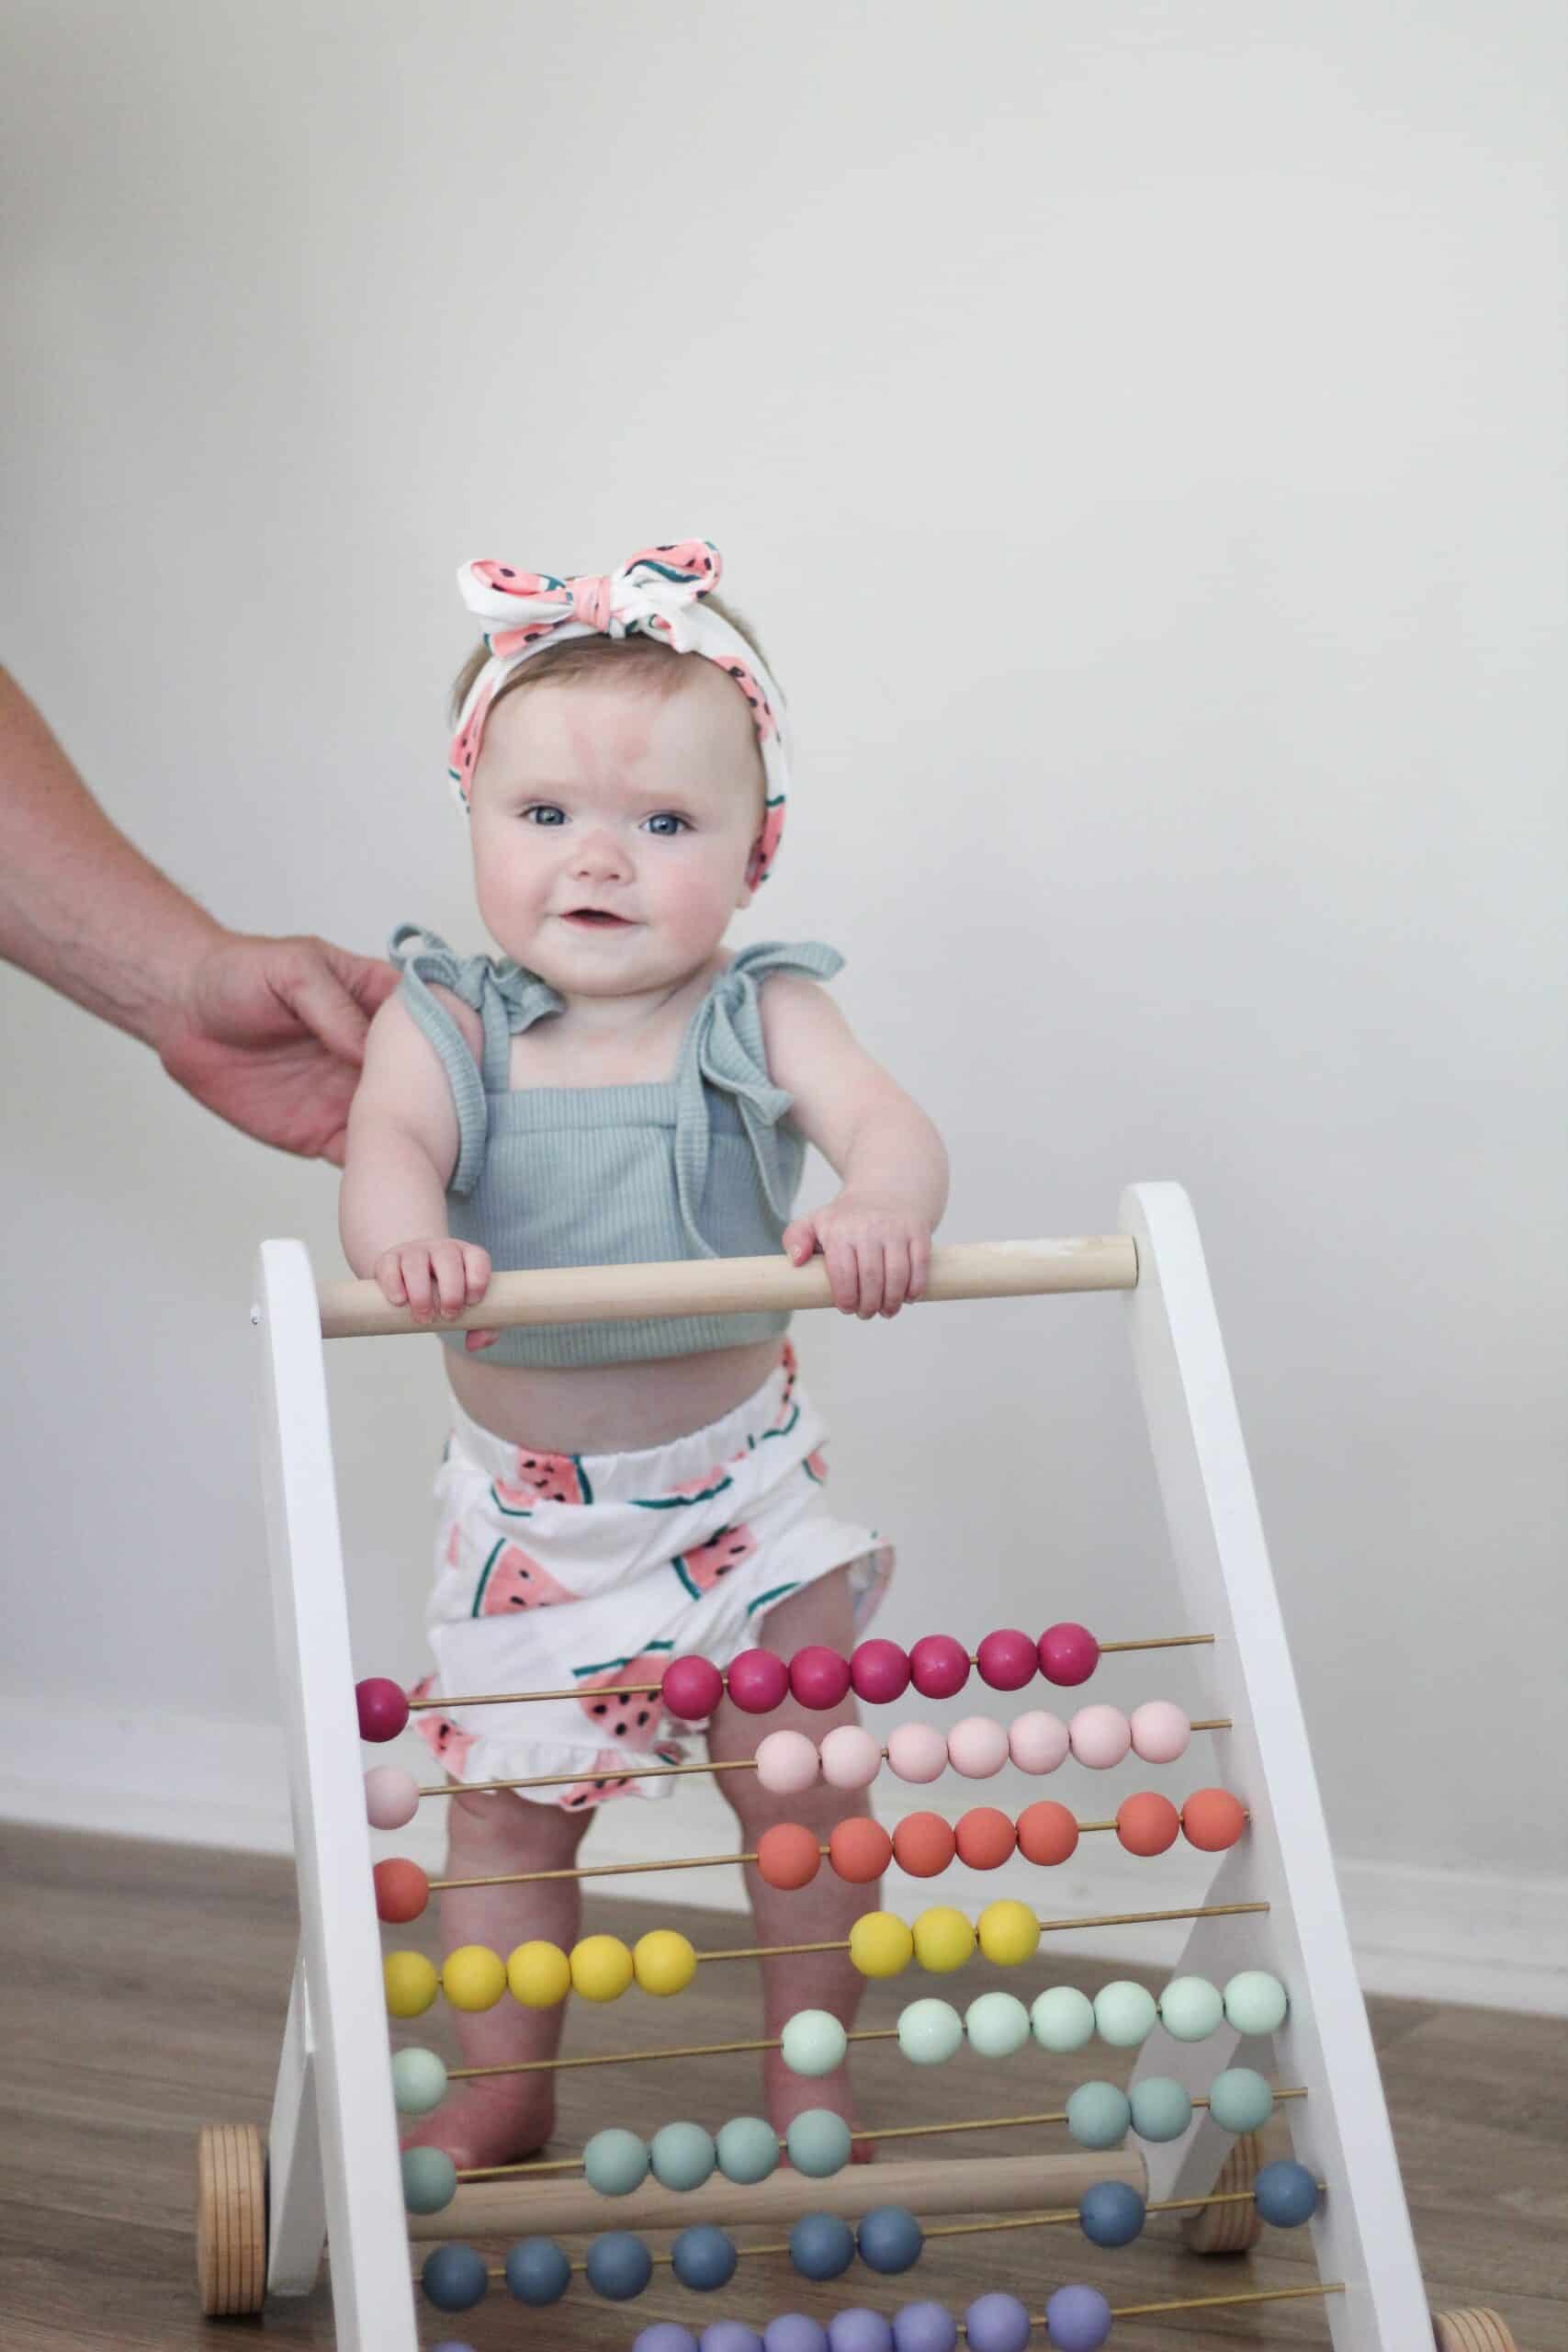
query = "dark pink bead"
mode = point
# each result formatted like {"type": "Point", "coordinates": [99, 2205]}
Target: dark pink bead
{"type": "Point", "coordinates": [818, 1677]}
{"type": "Point", "coordinates": [1007, 1659]}
{"type": "Point", "coordinates": [1068, 1654]}
{"type": "Point", "coordinates": [938, 1666]}
{"type": "Point", "coordinates": [759, 1681]}
{"type": "Point", "coordinates": [880, 1672]}
{"type": "Point", "coordinates": [383, 1710]}
{"type": "Point", "coordinates": [692, 1688]}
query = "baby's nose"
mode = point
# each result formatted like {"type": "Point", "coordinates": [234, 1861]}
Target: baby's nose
{"type": "Point", "coordinates": [599, 852]}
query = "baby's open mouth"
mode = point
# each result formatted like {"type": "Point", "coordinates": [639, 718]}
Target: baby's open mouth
{"type": "Point", "coordinates": [596, 916]}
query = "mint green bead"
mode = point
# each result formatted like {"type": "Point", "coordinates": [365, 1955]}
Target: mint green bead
{"type": "Point", "coordinates": [1062, 2018]}
{"type": "Point", "coordinates": [614, 2162]}
{"type": "Point", "coordinates": [819, 2143]}
{"type": "Point", "coordinates": [1240, 2100]}
{"type": "Point", "coordinates": [430, 2179]}
{"type": "Point", "coordinates": [419, 2082]}
{"type": "Point", "coordinates": [813, 2043]}
{"type": "Point", "coordinates": [1124, 2015]}
{"type": "Point", "coordinates": [682, 2155]}
{"type": "Point", "coordinates": [1256, 2002]}
{"type": "Point", "coordinates": [748, 2149]}
{"type": "Point", "coordinates": [1161, 2109]}
{"type": "Point", "coordinates": [1191, 2009]}
{"type": "Point", "coordinates": [1098, 2115]}
{"type": "Point", "coordinates": [930, 2032]}
{"type": "Point", "coordinates": [996, 2024]}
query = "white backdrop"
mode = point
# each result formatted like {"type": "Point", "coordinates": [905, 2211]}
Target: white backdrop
{"type": "Point", "coordinates": [1138, 439]}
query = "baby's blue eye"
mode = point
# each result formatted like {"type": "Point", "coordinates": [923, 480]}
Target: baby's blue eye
{"type": "Point", "coordinates": [544, 812]}
{"type": "Point", "coordinates": [666, 825]}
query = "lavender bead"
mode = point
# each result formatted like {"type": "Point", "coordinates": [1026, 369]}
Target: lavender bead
{"type": "Point", "coordinates": [860, 2331]}
{"type": "Point", "coordinates": [998, 2324]}
{"type": "Point", "coordinates": [1078, 2318]}
{"type": "Point", "coordinates": [793, 2331]}
{"type": "Point", "coordinates": [925, 2327]}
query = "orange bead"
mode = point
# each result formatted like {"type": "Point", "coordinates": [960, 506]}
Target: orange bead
{"type": "Point", "coordinates": [1046, 1832]}
{"type": "Point", "coordinates": [1213, 1819]}
{"type": "Point", "coordinates": [924, 1844]}
{"type": "Point", "coordinates": [788, 1855]}
{"type": "Point", "coordinates": [987, 1837]}
{"type": "Point", "coordinates": [860, 1850]}
{"type": "Point", "coordinates": [402, 1890]}
{"type": "Point", "coordinates": [1148, 1824]}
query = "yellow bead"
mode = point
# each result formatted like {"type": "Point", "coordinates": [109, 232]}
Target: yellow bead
{"type": "Point", "coordinates": [539, 1976]}
{"type": "Point", "coordinates": [410, 1982]}
{"type": "Point", "coordinates": [1009, 1932]}
{"type": "Point", "coordinates": [665, 1962]}
{"type": "Point", "coordinates": [880, 1945]}
{"type": "Point", "coordinates": [473, 1977]}
{"type": "Point", "coordinates": [601, 1968]}
{"type": "Point", "coordinates": [943, 1939]}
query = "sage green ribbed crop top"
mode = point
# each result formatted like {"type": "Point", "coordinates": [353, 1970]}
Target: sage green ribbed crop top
{"type": "Point", "coordinates": [702, 1164]}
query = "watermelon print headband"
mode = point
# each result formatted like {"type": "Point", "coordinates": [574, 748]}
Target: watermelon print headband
{"type": "Point", "coordinates": [657, 593]}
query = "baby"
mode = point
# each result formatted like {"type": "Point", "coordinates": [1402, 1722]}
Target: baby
{"type": "Point", "coordinates": [624, 1088]}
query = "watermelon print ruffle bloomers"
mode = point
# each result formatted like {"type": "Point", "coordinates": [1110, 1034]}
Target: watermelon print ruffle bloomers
{"type": "Point", "coordinates": [587, 1572]}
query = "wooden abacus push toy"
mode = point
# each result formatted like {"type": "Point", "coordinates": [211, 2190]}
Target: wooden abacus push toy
{"type": "Point", "coordinates": [1266, 1955]}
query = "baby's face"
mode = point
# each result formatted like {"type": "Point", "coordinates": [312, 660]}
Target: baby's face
{"type": "Point", "coordinates": [611, 827]}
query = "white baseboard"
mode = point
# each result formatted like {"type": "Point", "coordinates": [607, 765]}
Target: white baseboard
{"type": "Point", "coordinates": [1421, 1934]}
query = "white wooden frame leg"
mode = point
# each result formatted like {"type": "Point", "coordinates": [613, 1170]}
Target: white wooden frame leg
{"type": "Point", "coordinates": [1340, 2129]}
{"type": "Point", "coordinates": [344, 2117]}
{"type": "Point", "coordinates": [296, 2198]}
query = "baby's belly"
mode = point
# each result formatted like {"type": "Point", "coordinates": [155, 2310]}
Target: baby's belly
{"type": "Point", "coordinates": [612, 1407]}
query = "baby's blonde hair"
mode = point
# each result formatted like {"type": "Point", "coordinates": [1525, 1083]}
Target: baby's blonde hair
{"type": "Point", "coordinates": [636, 660]}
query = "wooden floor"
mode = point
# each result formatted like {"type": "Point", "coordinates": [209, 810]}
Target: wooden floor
{"type": "Point", "coordinates": [144, 1990]}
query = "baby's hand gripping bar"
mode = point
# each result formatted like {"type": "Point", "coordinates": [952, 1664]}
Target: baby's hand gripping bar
{"type": "Point", "coordinates": [735, 1286]}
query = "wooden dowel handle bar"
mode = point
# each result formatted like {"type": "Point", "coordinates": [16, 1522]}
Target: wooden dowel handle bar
{"type": "Point", "coordinates": [736, 1286]}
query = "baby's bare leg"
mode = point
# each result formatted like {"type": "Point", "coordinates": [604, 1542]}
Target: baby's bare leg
{"type": "Point", "coordinates": [503, 2118]}
{"type": "Point", "coordinates": [828, 1908]}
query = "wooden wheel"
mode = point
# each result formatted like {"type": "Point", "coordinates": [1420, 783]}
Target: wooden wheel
{"type": "Point", "coordinates": [1473, 2332]}
{"type": "Point", "coordinates": [1228, 2229]}
{"type": "Point", "coordinates": [231, 2219]}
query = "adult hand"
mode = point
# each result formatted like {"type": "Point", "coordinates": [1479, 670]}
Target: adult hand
{"type": "Point", "coordinates": [270, 1033]}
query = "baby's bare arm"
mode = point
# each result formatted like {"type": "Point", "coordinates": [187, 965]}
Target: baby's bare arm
{"type": "Point", "coordinates": [401, 1150]}
{"type": "Point", "coordinates": [892, 1164]}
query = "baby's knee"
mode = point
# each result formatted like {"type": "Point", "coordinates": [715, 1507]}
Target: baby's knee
{"type": "Point", "coordinates": [485, 1823]}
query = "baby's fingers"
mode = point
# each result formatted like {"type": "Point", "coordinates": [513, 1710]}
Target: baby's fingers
{"type": "Point", "coordinates": [799, 1240]}
{"type": "Point", "coordinates": [843, 1274]}
{"type": "Point", "coordinates": [872, 1279]}
{"type": "Point", "coordinates": [475, 1340]}
{"type": "Point", "coordinates": [895, 1277]}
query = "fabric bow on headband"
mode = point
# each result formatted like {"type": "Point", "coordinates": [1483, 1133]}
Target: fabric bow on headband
{"type": "Point", "coordinates": [658, 592]}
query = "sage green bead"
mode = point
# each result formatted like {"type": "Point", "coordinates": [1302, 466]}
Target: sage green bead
{"type": "Point", "coordinates": [813, 2043]}
{"type": "Point", "coordinates": [419, 2082]}
{"type": "Point", "coordinates": [615, 2162]}
{"type": "Point", "coordinates": [1062, 2018]}
{"type": "Point", "coordinates": [1124, 2015]}
{"type": "Point", "coordinates": [682, 2155]}
{"type": "Point", "coordinates": [930, 2032]}
{"type": "Point", "coordinates": [748, 2148]}
{"type": "Point", "coordinates": [430, 2179]}
{"type": "Point", "coordinates": [1098, 2115]}
{"type": "Point", "coordinates": [1256, 2002]}
{"type": "Point", "coordinates": [1191, 2009]}
{"type": "Point", "coordinates": [1240, 2100]}
{"type": "Point", "coordinates": [1161, 2109]}
{"type": "Point", "coordinates": [819, 2143]}
{"type": "Point", "coordinates": [996, 2024]}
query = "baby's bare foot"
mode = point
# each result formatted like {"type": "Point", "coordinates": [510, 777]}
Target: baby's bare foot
{"type": "Point", "coordinates": [789, 2095]}
{"type": "Point", "coordinates": [481, 2124]}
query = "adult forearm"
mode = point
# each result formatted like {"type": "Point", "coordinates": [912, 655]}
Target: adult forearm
{"type": "Point", "coordinates": [80, 907]}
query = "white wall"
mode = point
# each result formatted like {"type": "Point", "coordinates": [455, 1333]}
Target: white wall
{"type": "Point", "coordinates": [1138, 436]}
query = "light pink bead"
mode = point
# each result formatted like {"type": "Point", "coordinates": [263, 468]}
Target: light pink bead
{"type": "Point", "coordinates": [391, 1796]}
{"type": "Point", "coordinates": [1160, 1731]}
{"type": "Point", "coordinates": [1100, 1737]}
{"type": "Point", "coordinates": [917, 1752]}
{"type": "Point", "coordinates": [977, 1746]}
{"type": "Point", "coordinates": [852, 1758]}
{"type": "Point", "coordinates": [1038, 1741]}
{"type": "Point", "coordinates": [787, 1763]}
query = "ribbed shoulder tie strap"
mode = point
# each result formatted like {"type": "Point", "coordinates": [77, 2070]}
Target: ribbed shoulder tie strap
{"type": "Point", "coordinates": [506, 999]}
{"type": "Point", "coordinates": [724, 1048]}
